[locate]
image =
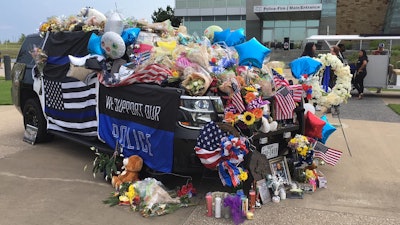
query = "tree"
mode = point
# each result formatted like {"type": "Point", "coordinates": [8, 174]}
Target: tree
{"type": "Point", "coordinates": [162, 15]}
{"type": "Point", "coordinates": [21, 38]}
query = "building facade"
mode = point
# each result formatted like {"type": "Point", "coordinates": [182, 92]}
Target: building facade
{"type": "Point", "coordinates": [277, 21]}
{"type": "Point", "coordinates": [200, 14]}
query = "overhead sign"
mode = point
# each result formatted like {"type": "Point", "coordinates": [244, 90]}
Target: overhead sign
{"type": "Point", "coordinates": [287, 8]}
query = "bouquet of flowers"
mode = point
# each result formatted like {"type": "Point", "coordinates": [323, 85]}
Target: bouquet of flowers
{"type": "Point", "coordinates": [303, 148]}
{"type": "Point", "coordinates": [246, 112]}
{"type": "Point", "coordinates": [40, 58]}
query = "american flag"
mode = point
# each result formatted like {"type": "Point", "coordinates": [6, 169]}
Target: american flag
{"type": "Point", "coordinates": [236, 98]}
{"type": "Point", "coordinates": [297, 92]}
{"type": "Point", "coordinates": [279, 80]}
{"type": "Point", "coordinates": [208, 147]}
{"type": "Point", "coordinates": [70, 106]}
{"type": "Point", "coordinates": [153, 73]}
{"type": "Point", "coordinates": [329, 155]}
{"type": "Point", "coordinates": [284, 104]}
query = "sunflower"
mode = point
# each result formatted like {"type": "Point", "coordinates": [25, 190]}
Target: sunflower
{"type": "Point", "coordinates": [248, 118]}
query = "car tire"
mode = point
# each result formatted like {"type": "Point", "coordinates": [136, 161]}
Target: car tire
{"type": "Point", "coordinates": [33, 115]}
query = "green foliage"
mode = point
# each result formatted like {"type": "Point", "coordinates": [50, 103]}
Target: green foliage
{"type": "Point", "coordinates": [106, 164]}
{"type": "Point", "coordinates": [5, 91]}
{"type": "Point", "coordinates": [11, 49]}
{"type": "Point", "coordinates": [162, 15]}
{"type": "Point", "coordinates": [395, 108]}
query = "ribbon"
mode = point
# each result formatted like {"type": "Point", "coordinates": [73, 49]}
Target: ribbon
{"type": "Point", "coordinates": [229, 174]}
{"type": "Point", "coordinates": [327, 76]}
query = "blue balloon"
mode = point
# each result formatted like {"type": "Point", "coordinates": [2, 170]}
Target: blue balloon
{"type": "Point", "coordinates": [304, 65]}
{"type": "Point", "coordinates": [130, 35]}
{"type": "Point", "coordinates": [236, 37]}
{"type": "Point", "coordinates": [327, 130]}
{"type": "Point", "coordinates": [252, 53]}
{"type": "Point", "coordinates": [94, 45]}
{"type": "Point", "coordinates": [220, 36]}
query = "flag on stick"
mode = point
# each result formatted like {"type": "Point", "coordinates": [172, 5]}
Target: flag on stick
{"type": "Point", "coordinates": [329, 155]}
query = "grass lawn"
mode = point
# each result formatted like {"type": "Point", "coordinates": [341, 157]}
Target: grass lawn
{"type": "Point", "coordinates": [395, 108]}
{"type": "Point", "coordinates": [5, 92]}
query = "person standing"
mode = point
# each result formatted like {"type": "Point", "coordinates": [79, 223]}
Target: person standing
{"type": "Point", "coordinates": [310, 50]}
{"type": "Point", "coordinates": [0, 62]}
{"type": "Point", "coordinates": [342, 49]}
{"type": "Point", "coordinates": [361, 72]}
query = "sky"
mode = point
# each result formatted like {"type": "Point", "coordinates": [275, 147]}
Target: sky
{"type": "Point", "coordinates": [25, 16]}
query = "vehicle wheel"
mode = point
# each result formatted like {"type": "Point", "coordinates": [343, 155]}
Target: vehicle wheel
{"type": "Point", "coordinates": [33, 115]}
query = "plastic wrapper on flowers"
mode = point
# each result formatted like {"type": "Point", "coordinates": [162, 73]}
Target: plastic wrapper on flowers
{"type": "Point", "coordinates": [197, 81]}
{"type": "Point", "coordinates": [304, 149]}
{"type": "Point", "coordinates": [40, 58]}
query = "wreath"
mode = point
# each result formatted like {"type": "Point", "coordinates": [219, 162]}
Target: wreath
{"type": "Point", "coordinates": [337, 94]}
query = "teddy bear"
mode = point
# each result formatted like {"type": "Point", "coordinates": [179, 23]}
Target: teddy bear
{"type": "Point", "coordinates": [131, 168]}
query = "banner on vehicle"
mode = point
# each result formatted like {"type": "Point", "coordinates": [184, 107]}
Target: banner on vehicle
{"type": "Point", "coordinates": [141, 120]}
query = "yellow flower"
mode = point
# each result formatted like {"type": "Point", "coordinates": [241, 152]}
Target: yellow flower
{"type": "Point", "coordinates": [248, 118]}
{"type": "Point", "coordinates": [250, 88]}
{"type": "Point", "coordinates": [243, 175]}
{"type": "Point", "coordinates": [175, 73]}
{"type": "Point", "coordinates": [130, 193]}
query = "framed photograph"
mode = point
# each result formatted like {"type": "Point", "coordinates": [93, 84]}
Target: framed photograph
{"type": "Point", "coordinates": [279, 168]}
{"type": "Point", "coordinates": [30, 134]}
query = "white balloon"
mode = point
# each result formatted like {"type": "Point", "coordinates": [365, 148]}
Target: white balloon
{"type": "Point", "coordinates": [113, 44]}
{"type": "Point", "coordinates": [309, 107]}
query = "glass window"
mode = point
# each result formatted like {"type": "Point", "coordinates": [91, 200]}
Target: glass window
{"type": "Point", "coordinates": [297, 33]}
{"type": "Point", "coordinates": [267, 35]}
{"type": "Point", "coordinates": [207, 18]}
{"type": "Point", "coordinates": [281, 33]}
{"type": "Point", "coordinates": [206, 4]}
{"type": "Point", "coordinates": [268, 23]}
{"type": "Point", "coordinates": [313, 1]}
{"type": "Point", "coordinates": [298, 23]}
{"type": "Point", "coordinates": [235, 3]}
{"type": "Point", "coordinates": [234, 25]}
{"type": "Point", "coordinates": [221, 18]}
{"type": "Point", "coordinates": [313, 31]}
{"type": "Point", "coordinates": [282, 23]}
{"type": "Point", "coordinates": [220, 4]}
{"type": "Point", "coordinates": [312, 23]}
{"type": "Point", "coordinates": [180, 4]}
{"type": "Point", "coordinates": [193, 4]}
{"type": "Point", "coordinates": [195, 18]}
{"type": "Point", "coordinates": [233, 17]}
{"type": "Point", "coordinates": [268, 2]}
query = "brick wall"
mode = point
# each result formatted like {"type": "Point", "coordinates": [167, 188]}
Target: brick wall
{"type": "Point", "coordinates": [360, 16]}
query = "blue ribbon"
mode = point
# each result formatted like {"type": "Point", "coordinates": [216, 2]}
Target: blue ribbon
{"type": "Point", "coordinates": [327, 76]}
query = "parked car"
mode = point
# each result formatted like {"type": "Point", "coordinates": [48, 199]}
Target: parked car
{"type": "Point", "coordinates": [192, 113]}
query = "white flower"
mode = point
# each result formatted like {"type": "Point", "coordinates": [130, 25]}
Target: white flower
{"type": "Point", "coordinates": [340, 92]}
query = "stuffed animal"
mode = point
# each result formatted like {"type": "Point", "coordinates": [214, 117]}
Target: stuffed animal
{"type": "Point", "coordinates": [131, 168]}
{"type": "Point", "coordinates": [267, 123]}
{"type": "Point", "coordinates": [94, 17]}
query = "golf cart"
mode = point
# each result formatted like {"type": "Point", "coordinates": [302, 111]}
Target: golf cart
{"type": "Point", "coordinates": [380, 73]}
